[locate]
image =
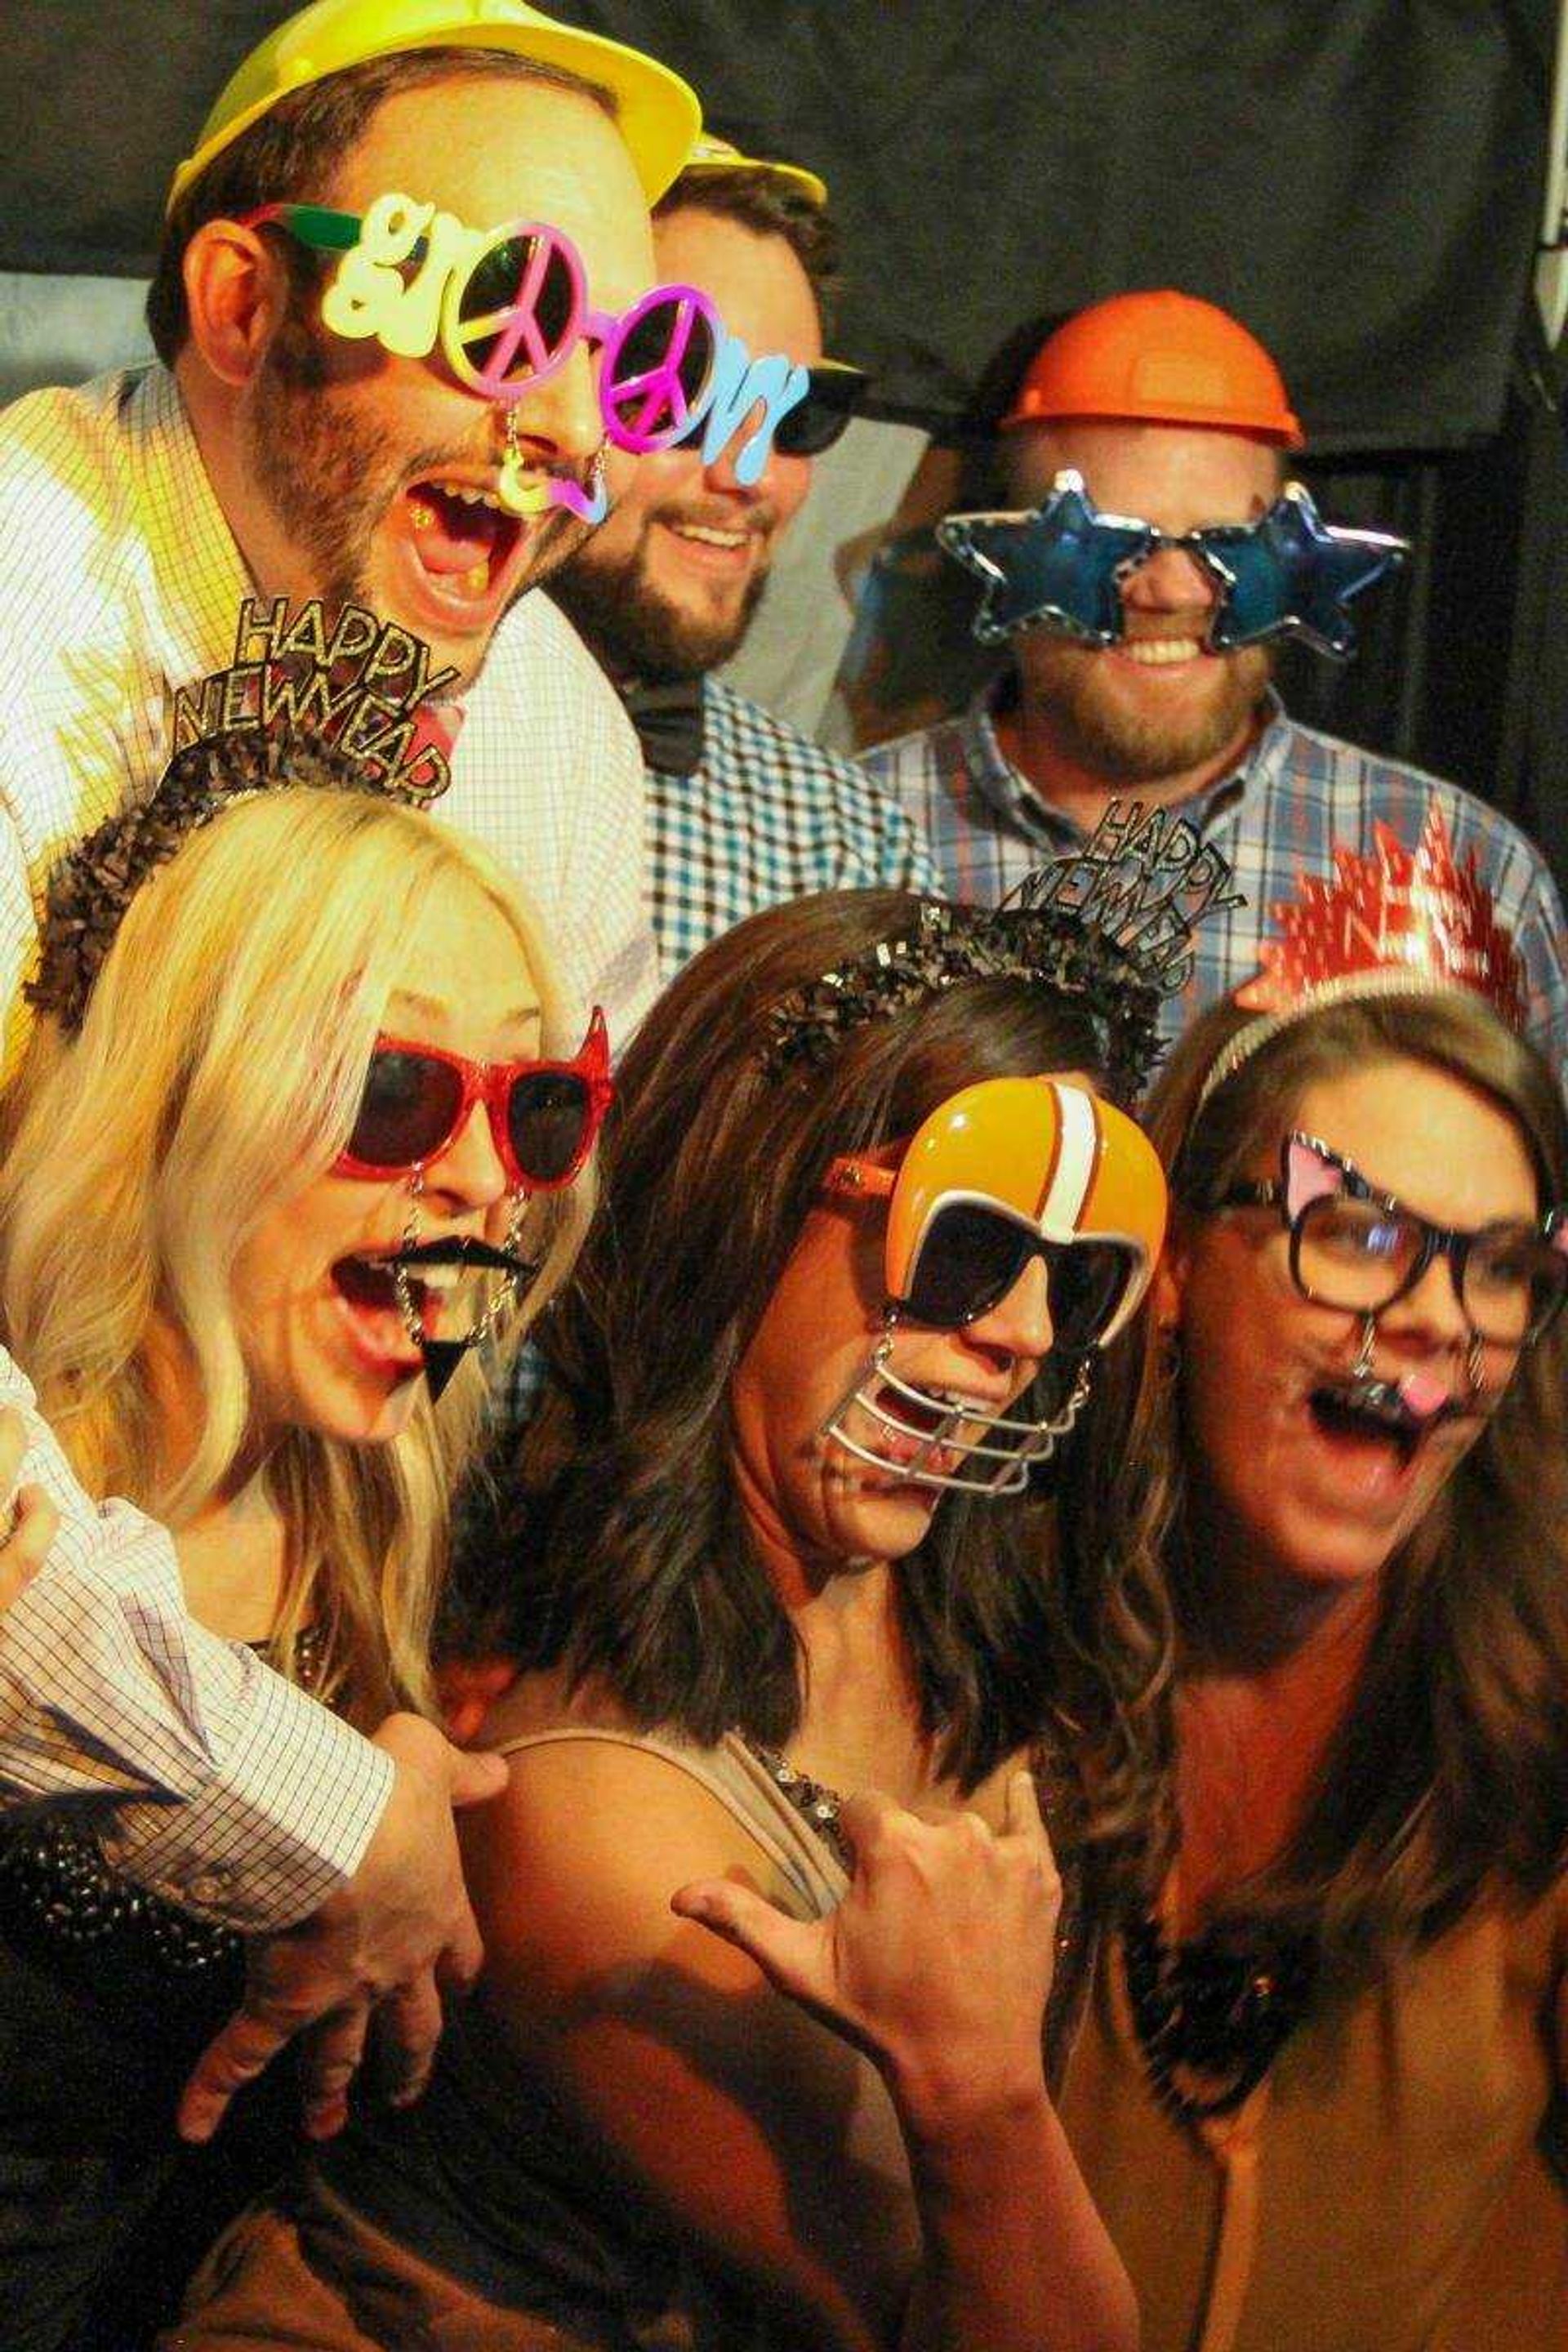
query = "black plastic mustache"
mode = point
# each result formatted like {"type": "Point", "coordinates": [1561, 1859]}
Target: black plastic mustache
{"type": "Point", "coordinates": [1385, 1396]}
{"type": "Point", "coordinates": [461, 1249]}
{"type": "Point", "coordinates": [442, 1357]}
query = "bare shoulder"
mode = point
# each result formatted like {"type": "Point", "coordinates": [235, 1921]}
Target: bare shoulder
{"type": "Point", "coordinates": [572, 1866]}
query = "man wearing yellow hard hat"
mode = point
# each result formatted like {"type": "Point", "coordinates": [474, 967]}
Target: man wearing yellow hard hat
{"type": "Point", "coordinates": [1146, 553]}
{"type": "Point", "coordinates": [396, 460]}
{"type": "Point", "coordinates": [269, 465]}
{"type": "Point", "coordinates": [743, 810]}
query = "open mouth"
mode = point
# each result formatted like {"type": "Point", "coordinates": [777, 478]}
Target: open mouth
{"type": "Point", "coordinates": [1158, 653]}
{"type": "Point", "coordinates": [1399, 1416]}
{"type": "Point", "coordinates": [462, 536]}
{"type": "Point", "coordinates": [367, 1283]}
{"type": "Point", "coordinates": [909, 1417]}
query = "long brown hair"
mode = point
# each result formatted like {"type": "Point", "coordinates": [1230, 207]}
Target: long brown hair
{"type": "Point", "coordinates": [1450, 1768]}
{"type": "Point", "coordinates": [638, 1570]}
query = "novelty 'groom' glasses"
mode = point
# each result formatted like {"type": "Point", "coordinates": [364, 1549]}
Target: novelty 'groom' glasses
{"type": "Point", "coordinates": [508, 306]}
{"type": "Point", "coordinates": [1354, 1248]}
{"type": "Point", "coordinates": [1063, 565]}
{"type": "Point", "coordinates": [544, 1116]}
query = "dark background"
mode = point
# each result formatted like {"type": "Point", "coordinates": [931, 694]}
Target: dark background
{"type": "Point", "coordinates": [1359, 180]}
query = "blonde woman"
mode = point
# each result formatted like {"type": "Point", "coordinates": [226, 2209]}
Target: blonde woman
{"type": "Point", "coordinates": [306, 1127]}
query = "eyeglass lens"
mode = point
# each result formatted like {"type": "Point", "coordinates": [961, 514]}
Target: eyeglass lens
{"type": "Point", "coordinates": [411, 1103]}
{"type": "Point", "coordinates": [1360, 1255]}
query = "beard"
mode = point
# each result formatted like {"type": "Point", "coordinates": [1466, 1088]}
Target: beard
{"type": "Point", "coordinates": [320, 455]}
{"type": "Point", "coordinates": [635, 628]}
{"type": "Point", "coordinates": [1090, 723]}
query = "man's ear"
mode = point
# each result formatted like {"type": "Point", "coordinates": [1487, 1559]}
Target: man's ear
{"type": "Point", "coordinates": [236, 290]}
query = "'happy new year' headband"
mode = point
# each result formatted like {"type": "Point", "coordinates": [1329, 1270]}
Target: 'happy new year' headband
{"type": "Point", "coordinates": [344, 709]}
{"type": "Point", "coordinates": [1400, 922]}
{"type": "Point", "coordinates": [1111, 925]}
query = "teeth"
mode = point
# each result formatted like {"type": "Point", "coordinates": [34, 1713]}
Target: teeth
{"type": "Point", "coordinates": [1153, 652]}
{"type": "Point", "coordinates": [437, 1277]}
{"type": "Point", "coordinates": [466, 495]}
{"type": "Point", "coordinates": [426, 1277]}
{"type": "Point", "coordinates": [476, 578]}
{"type": "Point", "coordinates": [710, 538]}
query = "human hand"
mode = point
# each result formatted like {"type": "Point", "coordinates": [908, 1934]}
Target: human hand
{"type": "Point", "coordinates": [34, 1520]}
{"type": "Point", "coordinates": [400, 1927]}
{"type": "Point", "coordinates": [938, 1961]}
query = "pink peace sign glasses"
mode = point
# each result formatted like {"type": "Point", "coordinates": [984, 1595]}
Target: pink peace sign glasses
{"type": "Point", "coordinates": [508, 306]}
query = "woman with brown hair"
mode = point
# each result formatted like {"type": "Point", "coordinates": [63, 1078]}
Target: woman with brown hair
{"type": "Point", "coordinates": [867, 1222]}
{"type": "Point", "coordinates": [1317, 2093]}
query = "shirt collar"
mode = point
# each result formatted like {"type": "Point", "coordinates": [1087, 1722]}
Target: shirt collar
{"type": "Point", "coordinates": [1209, 812]}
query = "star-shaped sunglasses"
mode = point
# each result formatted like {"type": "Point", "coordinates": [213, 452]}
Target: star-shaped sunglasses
{"type": "Point", "coordinates": [1061, 566]}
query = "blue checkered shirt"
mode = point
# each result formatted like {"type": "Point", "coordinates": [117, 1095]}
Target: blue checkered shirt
{"type": "Point", "coordinates": [767, 816]}
{"type": "Point", "coordinates": [1296, 798]}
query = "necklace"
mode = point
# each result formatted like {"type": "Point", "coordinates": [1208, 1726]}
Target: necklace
{"type": "Point", "coordinates": [1214, 2013]}
{"type": "Point", "coordinates": [817, 1805]}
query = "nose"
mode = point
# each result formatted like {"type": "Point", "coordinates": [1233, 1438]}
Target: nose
{"type": "Point", "coordinates": [468, 1174]}
{"type": "Point", "coordinates": [1171, 580]}
{"type": "Point", "coordinates": [1019, 1325]}
{"type": "Point", "coordinates": [1429, 1315]}
{"type": "Point", "coordinates": [559, 421]}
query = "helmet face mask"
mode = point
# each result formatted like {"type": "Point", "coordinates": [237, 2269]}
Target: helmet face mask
{"type": "Point", "coordinates": [1003, 1171]}
{"type": "Point", "coordinates": [903, 1432]}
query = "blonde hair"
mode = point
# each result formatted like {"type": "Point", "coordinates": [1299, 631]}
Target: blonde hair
{"type": "Point", "coordinates": [217, 1071]}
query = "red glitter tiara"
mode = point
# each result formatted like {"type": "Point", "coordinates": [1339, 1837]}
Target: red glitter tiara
{"type": "Point", "coordinates": [1400, 922]}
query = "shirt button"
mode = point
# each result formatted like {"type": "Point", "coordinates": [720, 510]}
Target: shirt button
{"type": "Point", "coordinates": [209, 1886]}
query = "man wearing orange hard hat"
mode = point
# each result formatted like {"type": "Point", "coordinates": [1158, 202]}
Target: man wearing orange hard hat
{"type": "Point", "coordinates": [1150, 553]}
{"type": "Point", "coordinates": [404, 467]}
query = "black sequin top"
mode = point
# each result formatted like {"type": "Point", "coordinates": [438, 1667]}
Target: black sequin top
{"type": "Point", "coordinates": [109, 1994]}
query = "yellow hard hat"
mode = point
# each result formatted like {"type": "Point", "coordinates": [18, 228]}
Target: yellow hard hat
{"type": "Point", "coordinates": [659, 115]}
{"type": "Point", "coordinates": [710, 154]}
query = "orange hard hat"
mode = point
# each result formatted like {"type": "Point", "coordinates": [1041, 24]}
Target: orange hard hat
{"type": "Point", "coordinates": [1158, 358]}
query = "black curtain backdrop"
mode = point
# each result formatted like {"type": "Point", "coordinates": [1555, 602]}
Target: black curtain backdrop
{"type": "Point", "coordinates": [1359, 180]}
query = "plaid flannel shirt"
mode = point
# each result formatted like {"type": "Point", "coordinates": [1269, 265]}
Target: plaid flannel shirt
{"type": "Point", "coordinates": [767, 816]}
{"type": "Point", "coordinates": [1296, 797]}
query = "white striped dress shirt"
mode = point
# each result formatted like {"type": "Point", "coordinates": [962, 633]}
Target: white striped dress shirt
{"type": "Point", "coordinates": [208, 1778]}
{"type": "Point", "coordinates": [120, 582]}
{"type": "Point", "coordinates": [217, 1783]}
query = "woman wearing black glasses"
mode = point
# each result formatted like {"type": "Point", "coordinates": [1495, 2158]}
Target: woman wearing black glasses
{"type": "Point", "coordinates": [1318, 2090]}
{"type": "Point", "coordinates": [868, 1220]}
{"type": "Point", "coordinates": [290, 1137]}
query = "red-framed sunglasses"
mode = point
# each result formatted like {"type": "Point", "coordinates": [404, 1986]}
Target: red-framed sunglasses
{"type": "Point", "coordinates": [544, 1116]}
